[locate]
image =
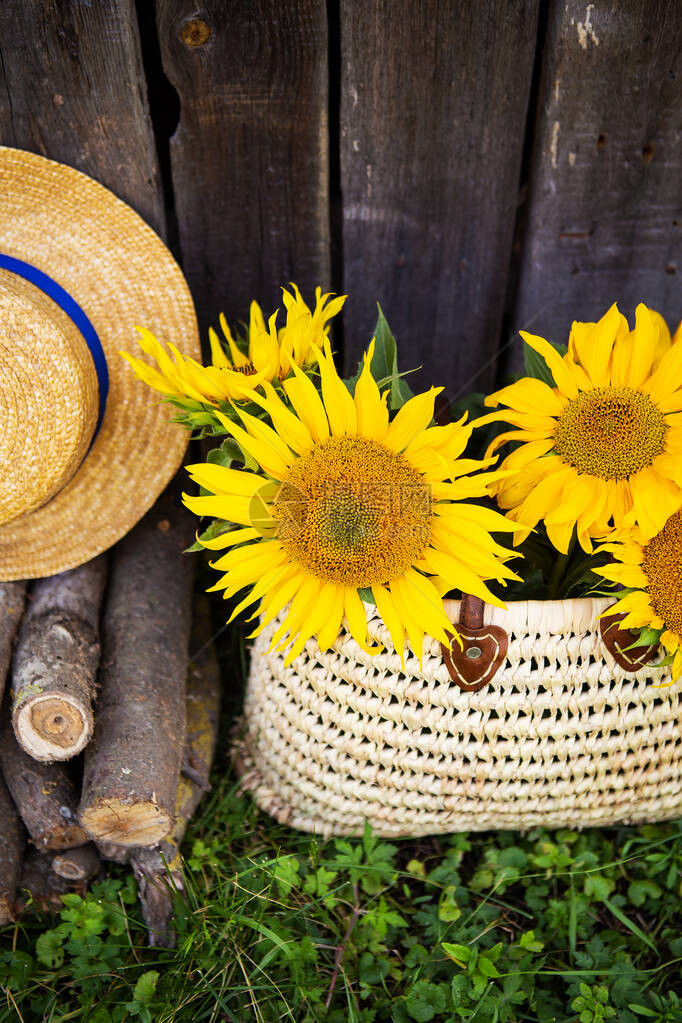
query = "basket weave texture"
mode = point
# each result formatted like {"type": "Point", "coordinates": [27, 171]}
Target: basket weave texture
{"type": "Point", "coordinates": [562, 736]}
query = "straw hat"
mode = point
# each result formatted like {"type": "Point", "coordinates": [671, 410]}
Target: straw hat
{"type": "Point", "coordinates": [84, 451]}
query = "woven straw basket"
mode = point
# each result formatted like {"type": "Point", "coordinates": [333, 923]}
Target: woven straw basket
{"type": "Point", "coordinates": [561, 735]}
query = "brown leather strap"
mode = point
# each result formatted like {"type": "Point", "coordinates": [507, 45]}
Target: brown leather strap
{"type": "Point", "coordinates": [471, 612]}
{"type": "Point", "coordinates": [483, 648]}
{"type": "Point", "coordinates": [619, 644]}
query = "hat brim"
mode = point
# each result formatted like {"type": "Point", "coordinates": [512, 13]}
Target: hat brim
{"type": "Point", "coordinates": [122, 275]}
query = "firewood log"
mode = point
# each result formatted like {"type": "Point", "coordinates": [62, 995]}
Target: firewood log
{"type": "Point", "coordinates": [112, 852]}
{"type": "Point", "coordinates": [11, 853]}
{"type": "Point", "coordinates": [79, 864]}
{"type": "Point", "coordinates": [55, 663]}
{"type": "Point", "coordinates": [132, 764]}
{"type": "Point", "coordinates": [159, 871]}
{"type": "Point", "coordinates": [12, 600]}
{"type": "Point", "coordinates": [40, 888]}
{"type": "Point", "coordinates": [44, 795]}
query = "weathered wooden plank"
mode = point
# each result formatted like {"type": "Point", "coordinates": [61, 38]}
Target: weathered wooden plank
{"type": "Point", "coordinates": [72, 89]}
{"type": "Point", "coordinates": [433, 109]}
{"type": "Point", "coordinates": [605, 201]}
{"type": "Point", "coordinates": [250, 156]}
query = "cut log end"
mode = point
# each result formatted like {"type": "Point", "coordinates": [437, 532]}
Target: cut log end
{"type": "Point", "coordinates": [116, 820]}
{"type": "Point", "coordinates": [61, 836]}
{"type": "Point", "coordinates": [77, 864]}
{"type": "Point", "coordinates": [53, 727]}
{"type": "Point", "coordinates": [41, 889]}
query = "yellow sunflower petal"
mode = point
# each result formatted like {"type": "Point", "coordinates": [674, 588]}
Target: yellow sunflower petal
{"type": "Point", "coordinates": [412, 418]}
{"type": "Point", "coordinates": [218, 357]}
{"type": "Point", "coordinates": [529, 395]}
{"type": "Point", "coordinates": [268, 457]}
{"type": "Point", "coordinates": [415, 633]}
{"type": "Point", "coordinates": [307, 403]}
{"type": "Point", "coordinates": [459, 576]}
{"type": "Point", "coordinates": [222, 506]}
{"type": "Point", "coordinates": [329, 632]}
{"type": "Point", "coordinates": [229, 538]}
{"type": "Point", "coordinates": [257, 428]}
{"type": "Point", "coordinates": [391, 619]}
{"type": "Point", "coordinates": [644, 340]}
{"type": "Point", "coordinates": [370, 406]}
{"type": "Point", "coordinates": [292, 431]}
{"type": "Point", "coordinates": [628, 575]}
{"type": "Point", "coordinates": [592, 344]}
{"type": "Point", "coordinates": [222, 480]}
{"type": "Point", "coordinates": [356, 619]}
{"type": "Point", "coordinates": [318, 614]}
{"type": "Point", "coordinates": [421, 594]}
{"type": "Point", "coordinates": [654, 500]}
{"type": "Point", "coordinates": [338, 401]}
{"type": "Point", "coordinates": [306, 598]}
{"type": "Point", "coordinates": [668, 376]}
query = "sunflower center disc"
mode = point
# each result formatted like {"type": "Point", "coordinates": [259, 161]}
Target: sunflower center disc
{"type": "Point", "coordinates": [353, 512]}
{"type": "Point", "coordinates": [610, 432]}
{"type": "Point", "coordinates": [662, 565]}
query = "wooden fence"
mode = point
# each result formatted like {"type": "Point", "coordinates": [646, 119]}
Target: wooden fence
{"type": "Point", "coordinates": [475, 166]}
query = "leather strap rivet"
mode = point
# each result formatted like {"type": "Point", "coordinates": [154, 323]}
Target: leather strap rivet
{"type": "Point", "coordinates": [475, 658]}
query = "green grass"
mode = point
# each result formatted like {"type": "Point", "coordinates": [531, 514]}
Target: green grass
{"type": "Point", "coordinates": [278, 925]}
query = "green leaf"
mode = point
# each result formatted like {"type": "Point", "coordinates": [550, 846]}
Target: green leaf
{"type": "Point", "coordinates": [385, 359]}
{"type": "Point", "coordinates": [216, 528]}
{"type": "Point", "coordinates": [145, 987]}
{"type": "Point", "coordinates": [640, 891]}
{"type": "Point", "coordinates": [598, 886]}
{"type": "Point", "coordinates": [459, 954]}
{"type": "Point", "coordinates": [226, 453]}
{"type": "Point", "coordinates": [485, 967]}
{"type": "Point", "coordinates": [448, 910]}
{"type": "Point", "coordinates": [49, 950]}
{"type": "Point", "coordinates": [384, 365]}
{"type": "Point", "coordinates": [529, 942]}
{"type": "Point", "coordinates": [286, 873]}
{"type": "Point", "coordinates": [536, 366]}
{"type": "Point", "coordinates": [365, 593]}
{"type": "Point", "coordinates": [319, 884]}
{"type": "Point", "coordinates": [372, 970]}
{"type": "Point", "coordinates": [425, 1000]}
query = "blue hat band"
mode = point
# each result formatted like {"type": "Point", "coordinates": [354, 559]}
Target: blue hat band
{"type": "Point", "coordinates": [68, 305]}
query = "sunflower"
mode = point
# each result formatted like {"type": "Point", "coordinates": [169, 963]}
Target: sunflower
{"type": "Point", "coordinates": [651, 571]}
{"type": "Point", "coordinates": [346, 500]}
{"type": "Point", "coordinates": [267, 354]}
{"type": "Point", "coordinates": [600, 450]}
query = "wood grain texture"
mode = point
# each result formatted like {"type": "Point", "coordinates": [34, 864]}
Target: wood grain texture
{"type": "Point", "coordinates": [605, 204]}
{"type": "Point", "coordinates": [43, 794]}
{"type": "Point", "coordinates": [433, 109]}
{"type": "Point", "coordinates": [250, 156]}
{"type": "Point", "coordinates": [72, 88]}
{"type": "Point", "coordinates": [132, 765]}
{"type": "Point", "coordinates": [55, 662]}
{"type": "Point", "coordinates": [12, 602]}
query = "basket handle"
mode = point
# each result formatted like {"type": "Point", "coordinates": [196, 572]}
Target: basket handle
{"type": "Point", "coordinates": [475, 663]}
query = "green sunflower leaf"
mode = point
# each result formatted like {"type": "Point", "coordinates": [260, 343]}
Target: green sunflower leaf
{"type": "Point", "coordinates": [536, 366]}
{"type": "Point", "coordinates": [384, 366]}
{"type": "Point", "coordinates": [216, 528]}
{"type": "Point", "coordinates": [226, 453]}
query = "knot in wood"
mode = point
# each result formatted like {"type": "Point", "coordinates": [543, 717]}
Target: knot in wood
{"type": "Point", "coordinates": [195, 33]}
